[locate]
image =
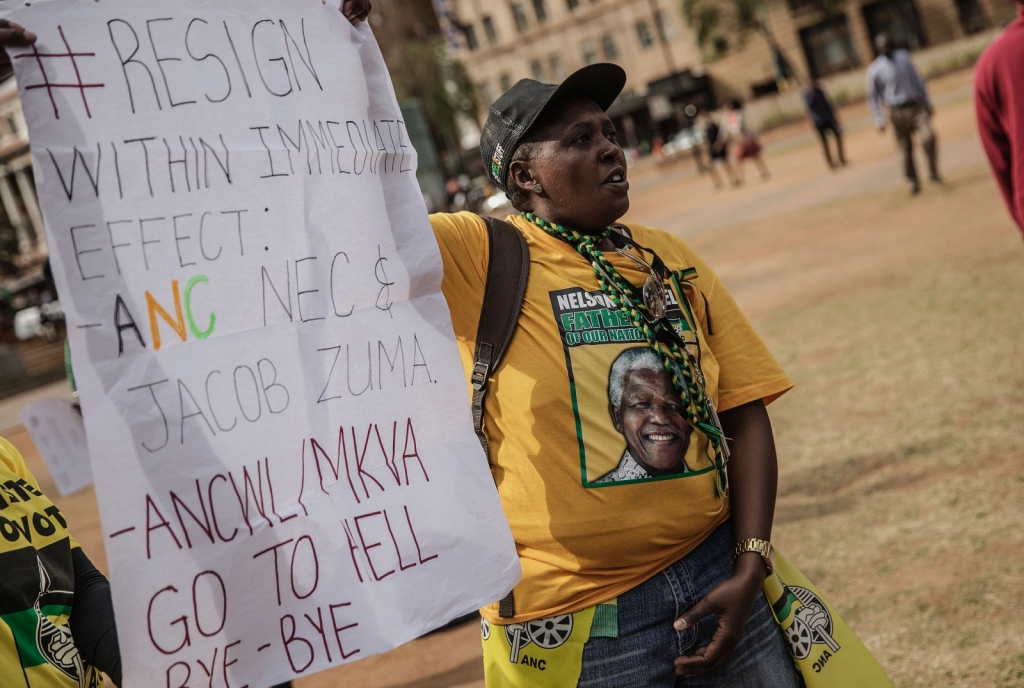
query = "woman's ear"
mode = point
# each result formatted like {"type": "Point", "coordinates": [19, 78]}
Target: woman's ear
{"type": "Point", "coordinates": [521, 176]}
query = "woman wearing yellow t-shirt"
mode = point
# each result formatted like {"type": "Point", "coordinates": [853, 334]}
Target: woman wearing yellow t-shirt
{"type": "Point", "coordinates": [642, 532]}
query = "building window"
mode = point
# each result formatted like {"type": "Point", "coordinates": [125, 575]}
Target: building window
{"type": "Point", "coordinates": [666, 32]}
{"type": "Point", "coordinates": [557, 71]}
{"type": "Point", "coordinates": [12, 125]}
{"type": "Point", "coordinates": [643, 33]}
{"type": "Point", "coordinates": [470, 31]}
{"type": "Point", "coordinates": [506, 82]}
{"type": "Point", "coordinates": [537, 69]}
{"type": "Point", "coordinates": [828, 47]}
{"type": "Point", "coordinates": [608, 46]}
{"type": "Point", "coordinates": [898, 19]}
{"type": "Point", "coordinates": [489, 30]}
{"type": "Point", "coordinates": [589, 53]}
{"type": "Point", "coordinates": [519, 12]}
{"type": "Point", "coordinates": [541, 10]}
{"type": "Point", "coordinates": [572, 4]}
{"type": "Point", "coordinates": [486, 93]}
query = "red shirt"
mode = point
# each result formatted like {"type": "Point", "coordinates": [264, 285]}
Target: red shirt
{"type": "Point", "coordinates": [999, 102]}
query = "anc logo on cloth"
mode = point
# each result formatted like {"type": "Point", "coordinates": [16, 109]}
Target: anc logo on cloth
{"type": "Point", "coordinates": [827, 652]}
{"type": "Point", "coordinates": [539, 653]}
{"type": "Point", "coordinates": [41, 634]}
{"type": "Point", "coordinates": [812, 623]}
{"type": "Point", "coordinates": [630, 422]}
{"type": "Point", "coordinates": [548, 634]}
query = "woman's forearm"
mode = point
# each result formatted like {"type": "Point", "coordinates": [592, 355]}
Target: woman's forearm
{"type": "Point", "coordinates": [753, 472]}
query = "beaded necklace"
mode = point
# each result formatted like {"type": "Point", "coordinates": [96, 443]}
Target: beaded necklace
{"type": "Point", "coordinates": [680, 364]}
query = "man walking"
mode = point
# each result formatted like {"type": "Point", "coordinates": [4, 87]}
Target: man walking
{"type": "Point", "coordinates": [824, 119]}
{"type": "Point", "coordinates": [892, 78]}
{"type": "Point", "coordinates": [999, 102]}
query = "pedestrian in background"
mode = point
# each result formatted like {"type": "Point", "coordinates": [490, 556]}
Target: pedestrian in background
{"type": "Point", "coordinates": [718, 149]}
{"type": "Point", "coordinates": [893, 79]}
{"type": "Point", "coordinates": [747, 145]}
{"type": "Point", "coordinates": [823, 116]}
{"type": "Point", "coordinates": [999, 103]}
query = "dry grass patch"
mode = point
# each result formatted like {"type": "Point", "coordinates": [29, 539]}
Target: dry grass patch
{"type": "Point", "coordinates": [902, 489]}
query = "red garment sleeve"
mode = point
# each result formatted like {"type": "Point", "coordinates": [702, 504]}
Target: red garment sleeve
{"type": "Point", "coordinates": [994, 138]}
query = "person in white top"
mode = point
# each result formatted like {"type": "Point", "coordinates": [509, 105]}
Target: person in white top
{"type": "Point", "coordinates": [746, 143]}
{"type": "Point", "coordinates": [893, 79]}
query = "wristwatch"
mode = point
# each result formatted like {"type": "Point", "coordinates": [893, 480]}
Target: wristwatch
{"type": "Point", "coordinates": [762, 547]}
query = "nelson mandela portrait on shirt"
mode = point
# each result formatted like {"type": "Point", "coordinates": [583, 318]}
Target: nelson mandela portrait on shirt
{"type": "Point", "coordinates": [647, 411]}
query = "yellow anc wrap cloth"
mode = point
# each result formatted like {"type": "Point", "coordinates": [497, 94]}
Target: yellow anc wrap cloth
{"type": "Point", "coordinates": [548, 653]}
{"type": "Point", "coordinates": [827, 653]}
{"type": "Point", "coordinates": [543, 653]}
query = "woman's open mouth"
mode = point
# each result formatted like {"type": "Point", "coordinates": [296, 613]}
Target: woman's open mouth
{"type": "Point", "coordinates": [617, 180]}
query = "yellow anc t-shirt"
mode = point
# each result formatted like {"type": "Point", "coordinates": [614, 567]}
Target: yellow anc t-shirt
{"type": "Point", "coordinates": [37, 584]}
{"type": "Point", "coordinates": [577, 408]}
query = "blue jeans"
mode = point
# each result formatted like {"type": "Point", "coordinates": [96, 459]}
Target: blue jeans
{"type": "Point", "coordinates": [643, 654]}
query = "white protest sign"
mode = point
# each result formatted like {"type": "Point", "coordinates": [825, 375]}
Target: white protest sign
{"type": "Point", "coordinates": [277, 415]}
{"type": "Point", "coordinates": [59, 434]}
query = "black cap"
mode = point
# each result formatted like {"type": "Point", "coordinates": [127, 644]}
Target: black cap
{"type": "Point", "coordinates": [512, 115]}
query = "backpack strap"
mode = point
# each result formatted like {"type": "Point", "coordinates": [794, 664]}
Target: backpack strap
{"type": "Point", "coordinates": [507, 273]}
{"type": "Point", "coordinates": [508, 270]}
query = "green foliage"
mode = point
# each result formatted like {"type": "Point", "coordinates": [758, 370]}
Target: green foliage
{"type": "Point", "coordinates": [954, 62]}
{"type": "Point", "coordinates": [712, 20]}
{"type": "Point", "coordinates": [427, 71]}
{"type": "Point", "coordinates": [779, 119]}
{"type": "Point", "coordinates": [705, 17]}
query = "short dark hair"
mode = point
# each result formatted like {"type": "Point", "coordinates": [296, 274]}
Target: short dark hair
{"type": "Point", "coordinates": [516, 195]}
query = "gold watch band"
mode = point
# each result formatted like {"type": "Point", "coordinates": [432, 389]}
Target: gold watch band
{"type": "Point", "coordinates": [762, 547]}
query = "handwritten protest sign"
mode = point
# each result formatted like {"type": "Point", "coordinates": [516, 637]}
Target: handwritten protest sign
{"type": "Point", "coordinates": [276, 412]}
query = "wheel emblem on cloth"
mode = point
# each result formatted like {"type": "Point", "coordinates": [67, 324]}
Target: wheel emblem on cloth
{"type": "Point", "coordinates": [547, 634]}
{"type": "Point", "coordinates": [799, 637]}
{"type": "Point", "coordinates": [485, 628]}
{"type": "Point", "coordinates": [551, 632]}
{"type": "Point", "coordinates": [812, 624]}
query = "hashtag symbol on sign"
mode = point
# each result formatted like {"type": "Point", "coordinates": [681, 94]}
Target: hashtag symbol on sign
{"type": "Point", "coordinates": [49, 85]}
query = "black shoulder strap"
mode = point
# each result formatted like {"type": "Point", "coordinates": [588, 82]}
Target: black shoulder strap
{"type": "Point", "coordinates": [508, 270]}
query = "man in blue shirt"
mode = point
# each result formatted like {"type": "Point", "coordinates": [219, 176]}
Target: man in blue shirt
{"type": "Point", "coordinates": [892, 78]}
{"type": "Point", "coordinates": [824, 119]}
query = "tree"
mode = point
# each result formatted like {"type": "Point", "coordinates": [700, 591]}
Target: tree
{"type": "Point", "coordinates": [429, 73]}
{"type": "Point", "coordinates": [711, 19]}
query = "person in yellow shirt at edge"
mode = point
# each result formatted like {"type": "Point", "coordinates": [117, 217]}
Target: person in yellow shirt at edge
{"type": "Point", "coordinates": [642, 532]}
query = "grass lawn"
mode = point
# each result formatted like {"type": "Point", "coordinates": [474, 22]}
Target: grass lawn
{"type": "Point", "coordinates": [902, 489]}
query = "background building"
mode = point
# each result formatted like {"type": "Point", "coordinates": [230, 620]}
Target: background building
{"type": "Point", "coordinates": [502, 41]}
{"type": "Point", "coordinates": [745, 49]}
{"type": "Point", "coordinates": [22, 241]}
{"type": "Point", "coordinates": [823, 38]}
